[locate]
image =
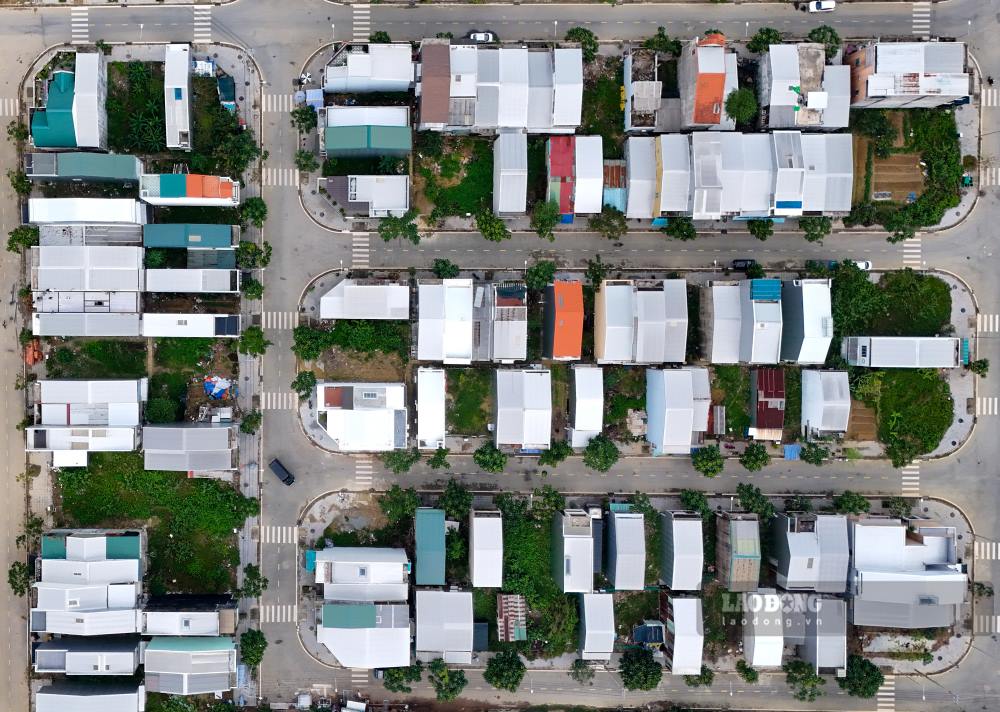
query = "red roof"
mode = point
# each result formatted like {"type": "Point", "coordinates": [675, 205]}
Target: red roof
{"type": "Point", "coordinates": [614, 174]}
{"type": "Point", "coordinates": [561, 152]}
{"type": "Point", "coordinates": [565, 198]}
{"type": "Point", "coordinates": [567, 338]}
{"type": "Point", "coordinates": [770, 397]}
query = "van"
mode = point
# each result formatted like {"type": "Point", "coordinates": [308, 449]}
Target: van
{"type": "Point", "coordinates": [280, 472]}
{"type": "Point", "coordinates": [823, 6]}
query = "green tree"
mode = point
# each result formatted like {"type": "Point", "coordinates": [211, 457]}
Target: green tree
{"type": "Point", "coordinates": [601, 453]}
{"type": "Point", "coordinates": [399, 679]}
{"type": "Point", "coordinates": [505, 670]}
{"type": "Point", "coordinates": [392, 227]}
{"type": "Point", "coordinates": [489, 459]}
{"type": "Point", "coordinates": [398, 504]}
{"type": "Point", "coordinates": [762, 39]}
{"type": "Point", "coordinates": [254, 211]}
{"type": "Point", "coordinates": [661, 42]}
{"type": "Point", "coordinates": [491, 227]}
{"type": "Point", "coordinates": [741, 105]}
{"type": "Point", "coordinates": [863, 677]}
{"type": "Point", "coordinates": [252, 647]}
{"type": "Point", "coordinates": [17, 132]}
{"type": "Point", "coordinates": [309, 343]}
{"type": "Point", "coordinates": [815, 227]}
{"type": "Point", "coordinates": [753, 500]}
{"type": "Point", "coordinates": [252, 341]}
{"type": "Point", "coordinates": [610, 222]}
{"type": "Point", "coordinates": [695, 501]}
{"type": "Point", "coordinates": [31, 534]}
{"type": "Point", "coordinates": [587, 41]}
{"type": "Point", "coordinates": [641, 504]}
{"type": "Point", "coordinates": [898, 507]}
{"type": "Point", "coordinates": [749, 674]}
{"type": "Point", "coordinates": [455, 546]}
{"type": "Point", "coordinates": [680, 229]}
{"type": "Point", "coordinates": [558, 451]}
{"type": "Point", "coordinates": [581, 672]}
{"type": "Point", "coordinates": [19, 578]}
{"type": "Point", "coordinates": [755, 457]}
{"type": "Point", "coordinates": [254, 582]}
{"type": "Point", "coordinates": [154, 258]}
{"type": "Point", "coordinates": [703, 679]}
{"type": "Point", "coordinates": [379, 37]}
{"type": "Point", "coordinates": [306, 161]}
{"type": "Point", "coordinates": [251, 422]}
{"type": "Point", "coordinates": [21, 238]}
{"type": "Point", "coordinates": [708, 460]}
{"type": "Point", "coordinates": [456, 500]}
{"type": "Point", "coordinates": [19, 182]}
{"type": "Point", "coordinates": [540, 274]}
{"type": "Point", "coordinates": [798, 503]}
{"type": "Point", "coordinates": [596, 272]}
{"type": "Point", "coordinates": [304, 118]}
{"type": "Point", "coordinates": [814, 453]}
{"type": "Point", "coordinates": [546, 501]}
{"type": "Point", "coordinates": [448, 684]}
{"type": "Point", "coordinates": [826, 36]}
{"type": "Point", "coordinates": [802, 678]}
{"type": "Point", "coordinates": [544, 218]}
{"type": "Point", "coordinates": [639, 670]}
{"type": "Point", "coordinates": [400, 461]}
{"type": "Point", "coordinates": [440, 459]}
{"type": "Point", "coordinates": [250, 255]}
{"type": "Point", "coordinates": [304, 383]}
{"type": "Point", "coordinates": [161, 410]}
{"type": "Point", "coordinates": [252, 288]}
{"type": "Point", "coordinates": [848, 502]}
{"type": "Point", "coordinates": [761, 229]}
{"type": "Point", "coordinates": [445, 269]}
{"type": "Point", "coordinates": [980, 367]}
{"type": "Point", "coordinates": [755, 271]}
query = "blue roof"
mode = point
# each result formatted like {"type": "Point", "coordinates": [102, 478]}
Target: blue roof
{"type": "Point", "coordinates": [183, 235]}
{"type": "Point", "coordinates": [429, 525]}
{"type": "Point", "coordinates": [765, 290]}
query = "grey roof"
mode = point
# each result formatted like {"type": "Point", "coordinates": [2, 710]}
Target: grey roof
{"type": "Point", "coordinates": [182, 448]}
{"type": "Point", "coordinates": [112, 696]}
{"type": "Point", "coordinates": [944, 57]}
{"type": "Point", "coordinates": [510, 173]}
{"type": "Point", "coordinates": [661, 323]}
{"type": "Point", "coordinates": [88, 656]}
{"type": "Point", "coordinates": [829, 176]}
{"type": "Point", "coordinates": [837, 85]}
{"type": "Point", "coordinates": [626, 566]}
{"type": "Point", "coordinates": [675, 179]}
{"type": "Point", "coordinates": [826, 634]}
{"type": "Point", "coordinates": [897, 615]}
{"type": "Point", "coordinates": [444, 625]}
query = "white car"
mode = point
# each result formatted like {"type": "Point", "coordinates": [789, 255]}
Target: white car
{"type": "Point", "coordinates": [822, 5]}
{"type": "Point", "coordinates": [866, 265]}
{"type": "Point", "coordinates": [488, 37]}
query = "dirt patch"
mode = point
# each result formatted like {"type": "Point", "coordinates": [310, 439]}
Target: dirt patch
{"type": "Point", "coordinates": [863, 423]}
{"type": "Point", "coordinates": [223, 364]}
{"type": "Point", "coordinates": [896, 121]}
{"type": "Point", "coordinates": [860, 149]}
{"type": "Point", "coordinates": [338, 365]}
{"type": "Point", "coordinates": [899, 177]}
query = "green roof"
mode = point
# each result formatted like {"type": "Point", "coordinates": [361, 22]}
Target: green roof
{"type": "Point", "coordinates": [182, 235]}
{"type": "Point", "coordinates": [123, 547]}
{"type": "Point", "coordinates": [429, 525]}
{"type": "Point", "coordinates": [80, 164]}
{"type": "Point", "coordinates": [345, 137]}
{"type": "Point", "coordinates": [345, 615]}
{"type": "Point", "coordinates": [374, 139]}
{"type": "Point", "coordinates": [53, 547]}
{"type": "Point", "coordinates": [398, 138]}
{"type": "Point", "coordinates": [173, 185]}
{"type": "Point", "coordinates": [192, 644]}
{"type": "Point", "coordinates": [52, 127]}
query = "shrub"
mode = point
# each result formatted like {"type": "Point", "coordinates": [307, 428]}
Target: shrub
{"type": "Point", "coordinates": [755, 457]}
{"type": "Point", "coordinates": [505, 670]}
{"type": "Point", "coordinates": [980, 367]}
{"type": "Point", "coordinates": [17, 132]}
{"type": "Point", "coordinates": [741, 105]}
{"type": "Point", "coordinates": [445, 269]}
{"type": "Point", "coordinates": [695, 501]}
{"type": "Point", "coordinates": [439, 459]}
{"type": "Point", "coordinates": [753, 500]}
{"type": "Point", "coordinates": [488, 458]}
{"type": "Point", "coordinates": [639, 670]}
{"type": "Point", "coordinates": [749, 674]}
{"type": "Point", "coordinates": [161, 410]}
{"type": "Point", "coordinates": [581, 672]}
{"type": "Point", "coordinates": [661, 42]}
{"type": "Point", "coordinates": [254, 583]}
{"type": "Point", "coordinates": [379, 37]}
{"type": "Point", "coordinates": [304, 118]}
{"type": "Point", "coordinates": [587, 41]}
{"type": "Point", "coordinates": [19, 578]}
{"type": "Point", "coordinates": [448, 684]}
{"type": "Point", "coordinates": [814, 454]}
{"type": "Point", "coordinates": [491, 227]}
{"type": "Point", "coordinates": [601, 453]}
{"type": "Point", "coordinates": [703, 679]}
{"type": "Point", "coordinates": [610, 222]}
{"type": "Point", "coordinates": [392, 227]}
{"type": "Point", "coordinates": [398, 679]}
{"type": "Point", "coordinates": [400, 461]}
{"type": "Point", "coordinates": [863, 677]}
{"type": "Point", "coordinates": [540, 274]}
{"type": "Point", "coordinates": [544, 218]}
{"type": "Point", "coordinates": [251, 422]}
{"type": "Point", "coordinates": [802, 678]}
{"type": "Point", "coordinates": [708, 460]}
{"type": "Point", "coordinates": [250, 255]}
{"type": "Point", "coordinates": [252, 647]}
{"type": "Point", "coordinates": [20, 182]}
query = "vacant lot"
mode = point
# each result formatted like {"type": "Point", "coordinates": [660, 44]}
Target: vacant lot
{"type": "Point", "coordinates": [97, 359]}
{"type": "Point", "coordinates": [898, 178]}
{"type": "Point", "coordinates": [624, 390]}
{"type": "Point", "coordinates": [914, 411]}
{"type": "Point", "coordinates": [731, 387]}
{"type": "Point", "coordinates": [456, 181]}
{"type": "Point", "coordinates": [602, 104]}
{"type": "Point", "coordinates": [470, 400]}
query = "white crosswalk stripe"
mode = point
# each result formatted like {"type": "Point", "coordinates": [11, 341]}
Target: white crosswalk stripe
{"type": "Point", "coordinates": [362, 22]}
{"type": "Point", "coordinates": [359, 250]}
{"type": "Point", "coordinates": [987, 323]}
{"type": "Point", "coordinates": [359, 677]}
{"type": "Point", "coordinates": [988, 405]}
{"type": "Point", "coordinates": [278, 613]}
{"type": "Point", "coordinates": [987, 550]}
{"type": "Point", "coordinates": [912, 252]}
{"type": "Point", "coordinates": [280, 176]}
{"type": "Point", "coordinates": [8, 106]}
{"type": "Point", "coordinates": [279, 103]}
{"type": "Point", "coordinates": [991, 176]}
{"type": "Point", "coordinates": [885, 698]}
{"type": "Point", "coordinates": [284, 400]}
{"type": "Point", "coordinates": [363, 470]}
{"type": "Point", "coordinates": [280, 319]}
{"type": "Point", "coordinates": [922, 19]}
{"type": "Point", "coordinates": [986, 624]}
{"type": "Point", "coordinates": [990, 97]}
{"type": "Point", "coordinates": [279, 535]}
{"type": "Point", "coordinates": [911, 480]}
{"type": "Point", "coordinates": [79, 23]}
{"type": "Point", "coordinates": [203, 24]}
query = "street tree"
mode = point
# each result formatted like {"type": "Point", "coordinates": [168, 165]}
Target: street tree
{"type": "Point", "coordinates": [587, 41]}
{"type": "Point", "coordinates": [439, 459]}
{"type": "Point", "coordinates": [306, 161]}
{"type": "Point", "coordinates": [748, 673]}
{"type": "Point", "coordinates": [761, 229]}
{"type": "Point", "coordinates": [392, 227]}
{"type": "Point", "coordinates": [20, 182]}
{"type": "Point", "coordinates": [398, 679]}
{"type": "Point", "coordinates": [254, 583]}
{"type": "Point", "coordinates": [380, 37]}
{"type": "Point", "coordinates": [252, 341]}
{"type": "Point", "coordinates": [19, 578]}
{"type": "Point", "coordinates": [251, 422]}
{"type": "Point", "coordinates": [680, 228]}
{"type": "Point", "coordinates": [309, 343]}
{"type": "Point", "coordinates": [304, 383]}
{"type": "Point", "coordinates": [755, 271]}
{"type": "Point", "coordinates": [491, 227]}
{"type": "Point", "coordinates": [696, 501]}
{"type": "Point", "coordinates": [252, 647]}
{"type": "Point", "coordinates": [826, 36]}
{"type": "Point", "coordinates": [639, 670]}
{"type": "Point", "coordinates": [250, 255]}
{"type": "Point", "coordinates": [544, 218]}
{"type": "Point", "coordinates": [21, 238]}
{"type": "Point", "coordinates": [252, 288]}
{"type": "Point", "coordinates": [610, 222]}
{"type": "Point", "coordinates": [304, 118]}
{"type": "Point", "coordinates": [753, 500]}
{"type": "Point", "coordinates": [815, 227]}
{"type": "Point", "coordinates": [741, 105]}
{"type": "Point", "coordinates": [661, 42]}
{"type": "Point", "coordinates": [489, 459]}
{"type": "Point", "coordinates": [254, 211]}
{"type": "Point", "coordinates": [540, 275]}
{"type": "Point", "coordinates": [863, 677]}
{"type": "Point", "coordinates": [802, 678]}
{"type": "Point", "coordinates": [703, 679]}
{"type": "Point", "coordinates": [596, 272]}
{"type": "Point", "coordinates": [445, 269]}
{"type": "Point", "coordinates": [601, 453]}
{"type": "Point", "coordinates": [400, 461]}
{"type": "Point", "coordinates": [582, 672]}
{"type": "Point", "coordinates": [814, 453]}
{"type": "Point", "coordinates": [456, 500]}
{"type": "Point", "coordinates": [798, 503]}
{"type": "Point", "coordinates": [708, 460]}
{"type": "Point", "coordinates": [755, 457]}
{"type": "Point", "coordinates": [448, 684]}
{"type": "Point", "coordinates": [398, 504]}
{"type": "Point", "coordinates": [848, 502]}
{"type": "Point", "coordinates": [558, 451]}
{"type": "Point", "coordinates": [505, 670]}
{"type": "Point", "coordinates": [980, 367]}
{"type": "Point", "coordinates": [898, 507]}
{"type": "Point", "coordinates": [762, 39]}
{"type": "Point", "coordinates": [17, 132]}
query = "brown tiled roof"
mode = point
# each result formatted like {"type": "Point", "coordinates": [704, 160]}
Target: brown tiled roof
{"type": "Point", "coordinates": [435, 83]}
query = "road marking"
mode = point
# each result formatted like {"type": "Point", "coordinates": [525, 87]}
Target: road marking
{"type": "Point", "coordinates": [987, 405]}
{"type": "Point", "coordinates": [911, 480]}
{"type": "Point", "coordinates": [987, 323]}
{"type": "Point", "coordinates": [8, 106]}
{"type": "Point", "coordinates": [922, 20]}
{"type": "Point", "coordinates": [278, 613]}
{"type": "Point", "coordinates": [912, 252]}
{"type": "Point", "coordinates": [279, 535]}
{"type": "Point", "coordinates": [284, 400]}
{"type": "Point", "coordinates": [361, 21]}
{"type": "Point", "coordinates": [987, 550]}
{"type": "Point", "coordinates": [79, 23]}
{"type": "Point", "coordinates": [991, 176]}
{"type": "Point", "coordinates": [281, 176]}
{"type": "Point", "coordinates": [986, 624]}
{"type": "Point", "coordinates": [359, 250]}
{"type": "Point", "coordinates": [363, 470]}
{"type": "Point", "coordinates": [990, 97]}
{"type": "Point", "coordinates": [278, 103]}
{"type": "Point", "coordinates": [203, 24]}
{"type": "Point", "coordinates": [885, 698]}
{"type": "Point", "coordinates": [280, 320]}
{"type": "Point", "coordinates": [359, 677]}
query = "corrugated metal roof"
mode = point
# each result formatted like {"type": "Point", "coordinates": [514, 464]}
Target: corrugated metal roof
{"type": "Point", "coordinates": [429, 528]}
{"type": "Point", "coordinates": [53, 127]}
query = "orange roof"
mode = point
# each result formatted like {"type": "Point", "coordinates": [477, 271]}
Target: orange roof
{"type": "Point", "coordinates": [716, 38]}
{"type": "Point", "coordinates": [199, 186]}
{"type": "Point", "coordinates": [708, 98]}
{"type": "Point", "coordinates": [567, 339]}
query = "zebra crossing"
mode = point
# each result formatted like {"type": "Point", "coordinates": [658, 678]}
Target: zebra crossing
{"type": "Point", "coordinates": [912, 253]}
{"type": "Point", "coordinates": [987, 323]}
{"type": "Point", "coordinates": [280, 176]}
{"type": "Point", "coordinates": [991, 176]}
{"type": "Point", "coordinates": [8, 106]}
{"type": "Point", "coordinates": [279, 535]}
{"type": "Point", "coordinates": [279, 319]}
{"type": "Point", "coordinates": [278, 103]}
{"type": "Point", "coordinates": [282, 400]}
{"type": "Point", "coordinates": [362, 22]}
{"type": "Point", "coordinates": [359, 250]}
{"type": "Point", "coordinates": [987, 405]}
{"type": "Point", "coordinates": [987, 550]}
{"type": "Point", "coordinates": [911, 480]}
{"type": "Point", "coordinates": [363, 470]}
{"type": "Point", "coordinates": [202, 24]}
{"type": "Point", "coordinates": [885, 698]}
{"type": "Point", "coordinates": [359, 677]}
{"type": "Point", "coordinates": [922, 20]}
{"type": "Point", "coordinates": [79, 20]}
{"type": "Point", "coordinates": [278, 613]}
{"type": "Point", "coordinates": [985, 624]}
{"type": "Point", "coordinates": [990, 97]}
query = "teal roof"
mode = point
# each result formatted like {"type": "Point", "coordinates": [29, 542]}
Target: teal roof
{"type": "Point", "coordinates": [397, 138]}
{"type": "Point", "coordinates": [429, 525]}
{"type": "Point", "coordinates": [393, 139]}
{"type": "Point", "coordinates": [345, 137]}
{"type": "Point", "coordinates": [173, 185]}
{"type": "Point", "coordinates": [52, 127]}
{"type": "Point", "coordinates": [80, 164]}
{"type": "Point", "coordinates": [182, 235]}
{"type": "Point", "coordinates": [53, 547]}
{"type": "Point", "coordinates": [345, 615]}
{"type": "Point", "coordinates": [765, 290]}
{"type": "Point", "coordinates": [125, 546]}
{"type": "Point", "coordinates": [192, 644]}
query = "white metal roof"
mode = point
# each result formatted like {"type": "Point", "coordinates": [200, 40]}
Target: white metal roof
{"type": "Point", "coordinates": [384, 646]}
{"type": "Point", "coordinates": [444, 624]}
{"type": "Point", "coordinates": [669, 411]}
{"type": "Point", "coordinates": [177, 94]}
{"type": "Point", "coordinates": [430, 407]}
{"type": "Point", "coordinates": [196, 447]}
{"type": "Point", "coordinates": [688, 559]}
{"type": "Point", "coordinates": [588, 174]}
{"type": "Point", "coordinates": [444, 331]}
{"type": "Point", "coordinates": [204, 281]}
{"type": "Point", "coordinates": [367, 424]}
{"type": "Point", "coordinates": [701, 389]}
{"type": "Point", "coordinates": [627, 557]}
{"type": "Point", "coordinates": [65, 402]}
{"type": "Point", "coordinates": [524, 408]}
{"type": "Point", "coordinates": [588, 404]}
{"type": "Point", "coordinates": [89, 93]}
{"type": "Point", "coordinates": [367, 116]}
{"type": "Point", "coordinates": [618, 301]}
{"type": "Point", "coordinates": [675, 177]}
{"type": "Point", "coordinates": [575, 529]}
{"type": "Point", "coordinates": [598, 623]}
{"type": "Point", "coordinates": [837, 85]}
{"type": "Point", "coordinates": [640, 152]}
{"type": "Point", "coordinates": [372, 67]}
{"type": "Point", "coordinates": [829, 172]}
{"type": "Point", "coordinates": [817, 320]}
{"type": "Point", "coordinates": [912, 351]}
{"type": "Point", "coordinates": [661, 322]}
{"type": "Point", "coordinates": [510, 172]}
{"type": "Point", "coordinates": [104, 268]}
{"type": "Point", "coordinates": [355, 573]}
{"type": "Point", "coordinates": [689, 636]}
{"type": "Point", "coordinates": [826, 401]}
{"type": "Point", "coordinates": [180, 623]}
{"type": "Point", "coordinates": [351, 299]}
{"type": "Point", "coordinates": [540, 90]}
{"type": "Point", "coordinates": [86, 210]}
{"type": "Point", "coordinates": [726, 323]}
{"type": "Point", "coordinates": [486, 549]}
{"type": "Point", "coordinates": [763, 628]}
{"type": "Point", "coordinates": [385, 195]}
{"type": "Point", "coordinates": [706, 163]}
{"type": "Point", "coordinates": [183, 325]}
{"type": "Point", "coordinates": [94, 324]}
{"type": "Point", "coordinates": [86, 698]}
{"type": "Point", "coordinates": [747, 173]}
{"type": "Point", "coordinates": [567, 79]}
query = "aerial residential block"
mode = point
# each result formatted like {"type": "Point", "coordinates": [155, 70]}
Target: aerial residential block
{"type": "Point", "coordinates": [87, 656]}
{"type": "Point", "coordinates": [909, 75]}
{"type": "Point", "coordinates": [366, 299]}
{"type": "Point", "coordinates": [684, 638]}
{"type": "Point", "coordinates": [362, 67]}
{"type": "Point", "coordinates": [486, 548]}
{"type": "Point", "coordinates": [366, 635]}
{"type": "Point", "coordinates": [807, 320]}
{"type": "Point", "coordinates": [191, 325]}
{"type": "Point", "coordinates": [444, 327]}
{"type": "Point", "coordinates": [706, 75]}
{"type": "Point", "coordinates": [363, 573]}
{"type": "Point", "coordinates": [810, 551]}
{"type": "Point", "coordinates": [189, 189]}
{"type": "Point", "coordinates": [444, 626]}
{"type": "Point", "coordinates": [597, 626]}
{"type": "Point", "coordinates": [190, 666]}
{"type": "Point", "coordinates": [767, 404]}
{"type": "Point", "coordinates": [641, 322]}
{"type": "Point", "coordinates": [383, 195]}
{"type": "Point", "coordinates": [763, 628]}
{"type": "Point", "coordinates": [367, 131]}
{"type": "Point", "coordinates": [74, 115]}
{"type": "Point", "coordinates": [117, 696]}
{"type": "Point", "coordinates": [177, 95]}
{"type": "Point", "coordinates": [677, 409]}
{"type": "Point", "coordinates": [510, 173]}
{"type": "Point", "coordinates": [562, 325]}
{"type": "Point", "coordinates": [363, 417]}
{"type": "Point", "coordinates": [902, 351]}
{"type": "Point", "coordinates": [523, 409]}
{"type": "Point", "coordinates": [190, 236]}
{"type": "Point", "coordinates": [798, 89]}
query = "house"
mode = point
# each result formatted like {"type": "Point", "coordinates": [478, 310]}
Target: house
{"type": "Point", "coordinates": [72, 235]}
{"type": "Point", "coordinates": [116, 696]}
{"type": "Point", "coordinates": [363, 573]}
{"type": "Point", "coordinates": [363, 67]}
{"type": "Point", "coordinates": [190, 236]}
{"type": "Point", "coordinates": [73, 418]}
{"type": "Point", "coordinates": [727, 322]}
{"type": "Point", "coordinates": [789, 175]}
{"type": "Point", "coordinates": [561, 174]}
{"type": "Point", "coordinates": [190, 666]}
{"type": "Point", "coordinates": [198, 281]}
{"type": "Point", "coordinates": [810, 551]}
{"type": "Point", "coordinates": [177, 95]}
{"type": "Point", "coordinates": [486, 548]}
{"type": "Point", "coordinates": [573, 551]}
{"type": "Point", "coordinates": [429, 526]}
{"type": "Point", "coordinates": [673, 190]}
{"type": "Point", "coordinates": [677, 405]}
{"type": "Point", "coordinates": [737, 550]}
{"type": "Point", "coordinates": [826, 403]}
{"type": "Point", "coordinates": [597, 626]}
{"type": "Point", "coordinates": [189, 447]}
{"type": "Point", "coordinates": [366, 299]}
{"type": "Point", "coordinates": [902, 351]}
{"type": "Point", "coordinates": [625, 565]}
{"type": "Point", "coordinates": [82, 166]}
{"type": "Point", "coordinates": [588, 170]}
{"type": "Point", "coordinates": [434, 84]}
{"type": "Point", "coordinates": [367, 131]}
{"type": "Point", "coordinates": [748, 174]}
{"type": "Point", "coordinates": [512, 618]}
{"type": "Point", "coordinates": [807, 320]}
{"type": "Point", "coordinates": [706, 76]}
{"type": "Point", "coordinates": [381, 196]}
{"type": "Point", "coordinates": [189, 189]}
{"type": "Point", "coordinates": [74, 115]}
{"type": "Point", "coordinates": [500, 321]}
{"type": "Point", "coordinates": [767, 404]}
{"type": "Point", "coordinates": [366, 635]}
{"type": "Point", "coordinates": [444, 327]}
{"type": "Point", "coordinates": [682, 555]}
{"type": "Point", "coordinates": [523, 409]}
{"type": "Point", "coordinates": [87, 656]}
{"type": "Point", "coordinates": [706, 176]}
{"type": "Point", "coordinates": [905, 573]}
{"type": "Point", "coordinates": [614, 322]}
{"type": "Point", "coordinates": [684, 639]}
{"type": "Point", "coordinates": [829, 174]}
{"type": "Point", "coordinates": [761, 325]}
{"type": "Point", "coordinates": [640, 161]}
{"type": "Point", "coordinates": [114, 322]}
{"type": "Point", "coordinates": [90, 583]}
{"type": "Point", "coordinates": [86, 269]}
{"type": "Point", "coordinates": [444, 626]}
{"type": "Point", "coordinates": [510, 173]}
{"type": "Point", "coordinates": [908, 75]}
{"type": "Point", "coordinates": [165, 617]}
{"type": "Point", "coordinates": [641, 322]}
{"type": "Point", "coordinates": [363, 417]}
{"type": "Point", "coordinates": [652, 103]}
{"type": "Point", "coordinates": [799, 90]}
{"type": "Point", "coordinates": [431, 405]}
{"type": "Point", "coordinates": [191, 325]}
{"type": "Point", "coordinates": [86, 210]}
{"type": "Point", "coordinates": [825, 644]}
{"type": "Point", "coordinates": [562, 325]}
{"type": "Point", "coordinates": [615, 189]}
{"type": "Point", "coordinates": [763, 628]}
{"type": "Point", "coordinates": [587, 405]}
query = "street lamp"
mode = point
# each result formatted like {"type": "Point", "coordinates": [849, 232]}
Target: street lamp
{"type": "Point", "coordinates": [747, 33]}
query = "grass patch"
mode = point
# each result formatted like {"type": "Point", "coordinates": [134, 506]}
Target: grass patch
{"type": "Point", "coordinates": [624, 390]}
{"type": "Point", "coordinates": [537, 171]}
{"type": "Point", "coordinates": [484, 610]}
{"type": "Point", "coordinates": [457, 189]}
{"type": "Point", "coordinates": [914, 411]}
{"type": "Point", "coordinates": [602, 106]}
{"type": "Point", "coordinates": [192, 547]}
{"type": "Point", "coordinates": [471, 397]}
{"type": "Point", "coordinates": [171, 387]}
{"type": "Point", "coordinates": [182, 354]}
{"type": "Point", "coordinates": [136, 114]}
{"type": "Point", "coordinates": [734, 383]}
{"type": "Point", "coordinates": [633, 607]}
{"type": "Point", "coordinates": [98, 359]}
{"type": "Point", "coordinates": [793, 403]}
{"type": "Point", "coordinates": [917, 305]}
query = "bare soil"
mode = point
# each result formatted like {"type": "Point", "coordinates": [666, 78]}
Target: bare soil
{"type": "Point", "coordinates": [900, 174]}
{"type": "Point", "coordinates": [863, 423]}
{"type": "Point", "coordinates": [336, 365]}
{"type": "Point", "coordinates": [222, 364]}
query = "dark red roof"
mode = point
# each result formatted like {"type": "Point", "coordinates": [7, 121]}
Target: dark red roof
{"type": "Point", "coordinates": [561, 152]}
{"type": "Point", "coordinates": [770, 397]}
{"type": "Point", "coordinates": [565, 198]}
{"type": "Point", "coordinates": [614, 174]}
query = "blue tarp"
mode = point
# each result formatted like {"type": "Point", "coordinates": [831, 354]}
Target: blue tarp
{"type": "Point", "coordinates": [767, 290]}
{"type": "Point", "coordinates": [792, 451]}
{"type": "Point", "coordinates": [310, 560]}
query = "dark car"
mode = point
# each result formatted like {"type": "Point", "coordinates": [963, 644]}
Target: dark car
{"type": "Point", "coordinates": [743, 264]}
{"type": "Point", "coordinates": [281, 472]}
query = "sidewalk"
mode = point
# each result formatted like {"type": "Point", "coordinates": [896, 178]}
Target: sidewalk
{"type": "Point", "coordinates": [961, 381]}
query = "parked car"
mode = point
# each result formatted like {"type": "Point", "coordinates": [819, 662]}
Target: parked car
{"type": "Point", "coordinates": [281, 472]}
{"type": "Point", "coordinates": [484, 36]}
{"type": "Point", "coordinates": [866, 265]}
{"type": "Point", "coordinates": [743, 264]}
{"type": "Point", "coordinates": [822, 5]}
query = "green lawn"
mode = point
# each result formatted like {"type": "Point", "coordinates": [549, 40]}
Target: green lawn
{"type": "Point", "coordinates": [182, 354]}
{"type": "Point", "coordinates": [172, 388]}
{"type": "Point", "coordinates": [471, 392]}
{"type": "Point", "coordinates": [98, 359]}
{"type": "Point", "coordinates": [734, 381]}
{"type": "Point", "coordinates": [602, 108]}
{"type": "Point", "coordinates": [473, 191]}
{"type": "Point", "coordinates": [914, 411]}
{"type": "Point", "coordinates": [793, 403]}
{"type": "Point", "coordinates": [625, 389]}
{"type": "Point", "coordinates": [918, 305]}
{"type": "Point", "coordinates": [633, 607]}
